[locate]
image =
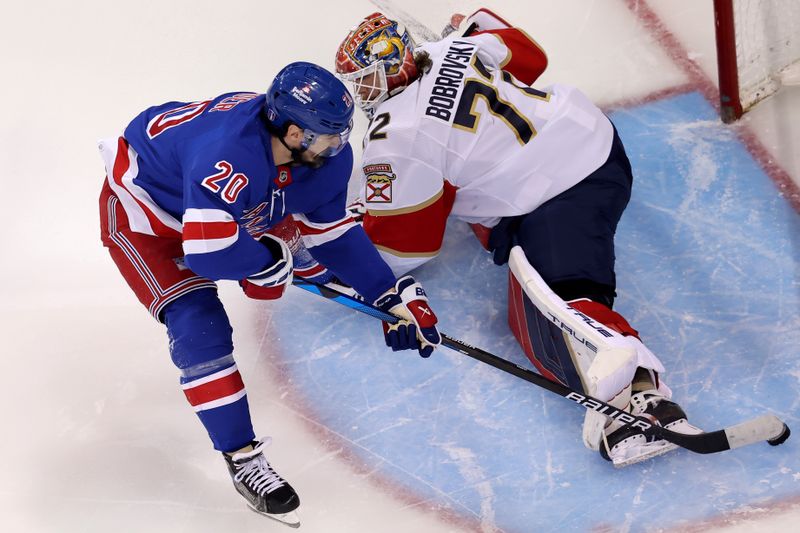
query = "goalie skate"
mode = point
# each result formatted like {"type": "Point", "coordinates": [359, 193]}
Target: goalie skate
{"type": "Point", "coordinates": [625, 445]}
{"type": "Point", "coordinates": [266, 492]}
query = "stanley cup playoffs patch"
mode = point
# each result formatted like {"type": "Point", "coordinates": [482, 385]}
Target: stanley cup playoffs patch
{"type": "Point", "coordinates": [379, 183]}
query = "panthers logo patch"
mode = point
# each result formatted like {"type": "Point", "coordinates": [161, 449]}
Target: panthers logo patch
{"type": "Point", "coordinates": [379, 183]}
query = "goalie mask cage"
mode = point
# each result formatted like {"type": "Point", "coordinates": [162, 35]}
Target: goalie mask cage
{"type": "Point", "coordinates": [758, 50]}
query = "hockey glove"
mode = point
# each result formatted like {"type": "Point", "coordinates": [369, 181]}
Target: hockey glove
{"type": "Point", "coordinates": [503, 237]}
{"type": "Point", "coordinates": [270, 283]}
{"type": "Point", "coordinates": [416, 328]}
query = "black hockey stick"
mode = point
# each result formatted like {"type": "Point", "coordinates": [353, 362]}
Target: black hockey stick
{"type": "Point", "coordinates": [765, 427]}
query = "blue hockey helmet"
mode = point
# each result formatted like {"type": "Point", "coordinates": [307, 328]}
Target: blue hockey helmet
{"type": "Point", "coordinates": [316, 101]}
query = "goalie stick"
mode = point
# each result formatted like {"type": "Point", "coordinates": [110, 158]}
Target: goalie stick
{"type": "Point", "coordinates": [765, 427]}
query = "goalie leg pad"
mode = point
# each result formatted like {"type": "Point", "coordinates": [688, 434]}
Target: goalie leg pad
{"type": "Point", "coordinates": [585, 338]}
{"type": "Point", "coordinates": [594, 423]}
{"type": "Point", "coordinates": [542, 341]}
{"type": "Point", "coordinates": [604, 315]}
{"type": "Point", "coordinates": [604, 360]}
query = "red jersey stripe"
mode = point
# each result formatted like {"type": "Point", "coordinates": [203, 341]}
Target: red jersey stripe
{"type": "Point", "coordinates": [122, 163]}
{"type": "Point", "coordinates": [209, 230]}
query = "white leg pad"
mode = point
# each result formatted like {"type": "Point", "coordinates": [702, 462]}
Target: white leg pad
{"type": "Point", "coordinates": [611, 371]}
{"type": "Point", "coordinates": [594, 423]}
{"type": "Point", "coordinates": [606, 360]}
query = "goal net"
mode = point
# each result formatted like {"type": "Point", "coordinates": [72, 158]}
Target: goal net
{"type": "Point", "coordinates": [758, 51]}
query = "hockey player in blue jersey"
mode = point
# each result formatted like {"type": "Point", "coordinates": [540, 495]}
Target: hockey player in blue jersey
{"type": "Point", "coordinates": [192, 192]}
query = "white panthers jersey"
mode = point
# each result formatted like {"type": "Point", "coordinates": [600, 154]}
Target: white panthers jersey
{"type": "Point", "coordinates": [469, 129]}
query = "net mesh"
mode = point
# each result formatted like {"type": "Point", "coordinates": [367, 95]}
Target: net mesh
{"type": "Point", "coordinates": [767, 46]}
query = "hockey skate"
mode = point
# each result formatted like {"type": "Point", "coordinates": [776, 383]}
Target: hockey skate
{"type": "Point", "coordinates": [266, 492]}
{"type": "Point", "coordinates": [624, 445]}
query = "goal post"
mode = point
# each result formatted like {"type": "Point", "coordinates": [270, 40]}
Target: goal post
{"type": "Point", "coordinates": [758, 51]}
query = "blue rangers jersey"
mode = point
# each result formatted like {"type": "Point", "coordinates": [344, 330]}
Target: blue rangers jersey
{"type": "Point", "coordinates": [203, 172]}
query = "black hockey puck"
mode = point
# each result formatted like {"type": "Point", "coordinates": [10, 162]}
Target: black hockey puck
{"type": "Point", "coordinates": [780, 439]}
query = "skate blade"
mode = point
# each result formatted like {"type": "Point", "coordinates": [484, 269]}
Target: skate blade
{"type": "Point", "coordinates": [291, 519]}
{"type": "Point", "coordinates": [649, 450]}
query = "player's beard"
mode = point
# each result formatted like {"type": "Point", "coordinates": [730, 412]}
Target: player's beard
{"type": "Point", "coordinates": [298, 158]}
{"type": "Point", "coordinates": [301, 157]}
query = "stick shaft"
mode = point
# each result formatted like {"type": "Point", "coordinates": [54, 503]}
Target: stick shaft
{"type": "Point", "coordinates": [748, 432]}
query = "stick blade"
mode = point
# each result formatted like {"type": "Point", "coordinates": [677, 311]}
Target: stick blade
{"type": "Point", "coordinates": [780, 439]}
{"type": "Point", "coordinates": [766, 427]}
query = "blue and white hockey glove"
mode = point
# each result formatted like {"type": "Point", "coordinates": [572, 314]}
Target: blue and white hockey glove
{"type": "Point", "coordinates": [416, 328]}
{"type": "Point", "coordinates": [270, 283]}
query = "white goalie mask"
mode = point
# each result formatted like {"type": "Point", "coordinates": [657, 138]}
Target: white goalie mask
{"type": "Point", "coordinates": [377, 59]}
{"type": "Point", "coordinates": [368, 86]}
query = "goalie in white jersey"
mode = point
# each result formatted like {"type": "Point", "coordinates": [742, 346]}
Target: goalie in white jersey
{"type": "Point", "coordinates": [456, 129]}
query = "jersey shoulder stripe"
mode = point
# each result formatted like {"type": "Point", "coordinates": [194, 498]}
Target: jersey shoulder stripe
{"type": "Point", "coordinates": [208, 231]}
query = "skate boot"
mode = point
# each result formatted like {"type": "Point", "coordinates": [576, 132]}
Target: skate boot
{"type": "Point", "coordinates": [266, 492]}
{"type": "Point", "coordinates": [624, 445]}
